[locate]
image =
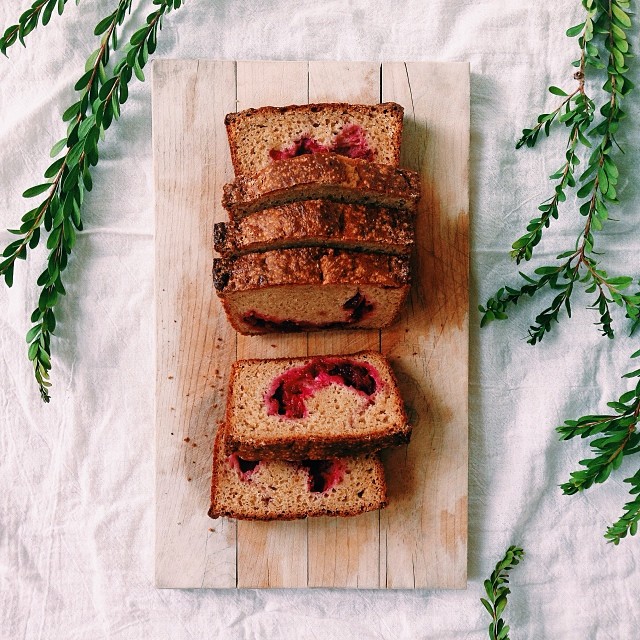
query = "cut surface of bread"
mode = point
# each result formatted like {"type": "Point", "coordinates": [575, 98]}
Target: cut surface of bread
{"type": "Point", "coordinates": [322, 175]}
{"type": "Point", "coordinates": [314, 407]}
{"type": "Point", "coordinates": [310, 289]}
{"type": "Point", "coordinates": [258, 136]}
{"type": "Point", "coordinates": [279, 490]}
{"type": "Point", "coordinates": [318, 223]}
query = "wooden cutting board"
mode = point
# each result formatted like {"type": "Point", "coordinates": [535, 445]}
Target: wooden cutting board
{"type": "Point", "coordinates": [420, 540]}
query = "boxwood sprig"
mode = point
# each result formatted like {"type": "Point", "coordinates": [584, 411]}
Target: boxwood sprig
{"type": "Point", "coordinates": [497, 592]}
{"type": "Point", "coordinates": [70, 176]}
{"type": "Point", "coordinates": [604, 29]}
{"type": "Point", "coordinates": [40, 10]}
{"type": "Point", "coordinates": [614, 437]}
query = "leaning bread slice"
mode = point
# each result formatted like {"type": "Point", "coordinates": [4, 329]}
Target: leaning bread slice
{"type": "Point", "coordinates": [279, 490]}
{"type": "Point", "coordinates": [314, 407]}
{"type": "Point", "coordinates": [317, 223]}
{"type": "Point", "coordinates": [259, 136]}
{"type": "Point", "coordinates": [311, 289]}
{"type": "Point", "coordinates": [322, 175]}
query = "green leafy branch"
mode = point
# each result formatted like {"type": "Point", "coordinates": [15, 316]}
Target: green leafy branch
{"type": "Point", "coordinates": [28, 21]}
{"type": "Point", "coordinates": [497, 592]}
{"type": "Point", "coordinates": [69, 177]}
{"type": "Point", "coordinates": [615, 437]}
{"type": "Point", "coordinates": [609, 22]}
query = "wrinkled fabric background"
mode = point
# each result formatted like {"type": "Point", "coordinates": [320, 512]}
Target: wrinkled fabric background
{"type": "Point", "coordinates": [77, 476]}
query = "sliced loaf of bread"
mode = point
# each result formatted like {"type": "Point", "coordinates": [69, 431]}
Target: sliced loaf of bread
{"type": "Point", "coordinates": [317, 223]}
{"type": "Point", "coordinates": [311, 289]}
{"type": "Point", "coordinates": [314, 407]}
{"type": "Point", "coordinates": [322, 175]}
{"type": "Point", "coordinates": [259, 136]}
{"type": "Point", "coordinates": [280, 490]}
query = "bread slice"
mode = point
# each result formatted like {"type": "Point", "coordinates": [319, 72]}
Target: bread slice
{"type": "Point", "coordinates": [322, 175]}
{"type": "Point", "coordinates": [279, 490]}
{"type": "Point", "coordinates": [311, 289]}
{"type": "Point", "coordinates": [314, 407]}
{"type": "Point", "coordinates": [317, 223]}
{"type": "Point", "coordinates": [258, 136]}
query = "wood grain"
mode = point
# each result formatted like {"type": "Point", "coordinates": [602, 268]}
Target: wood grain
{"type": "Point", "coordinates": [261, 561]}
{"type": "Point", "coordinates": [194, 344]}
{"type": "Point", "coordinates": [420, 539]}
{"type": "Point", "coordinates": [344, 552]}
{"type": "Point", "coordinates": [425, 526]}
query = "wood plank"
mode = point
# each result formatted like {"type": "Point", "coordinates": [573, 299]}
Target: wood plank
{"type": "Point", "coordinates": [262, 559]}
{"type": "Point", "coordinates": [420, 539]}
{"type": "Point", "coordinates": [344, 552]}
{"type": "Point", "coordinates": [425, 525]}
{"type": "Point", "coordinates": [195, 345]}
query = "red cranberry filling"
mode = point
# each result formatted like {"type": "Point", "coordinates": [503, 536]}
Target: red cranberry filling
{"type": "Point", "coordinates": [301, 147]}
{"type": "Point", "coordinates": [290, 390]}
{"type": "Point", "coordinates": [324, 474]}
{"type": "Point", "coordinates": [350, 142]}
{"type": "Point", "coordinates": [245, 468]}
{"type": "Point", "coordinates": [357, 307]}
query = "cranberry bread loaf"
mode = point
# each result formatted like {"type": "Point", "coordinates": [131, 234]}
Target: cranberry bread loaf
{"type": "Point", "coordinates": [318, 223]}
{"type": "Point", "coordinates": [259, 136]}
{"type": "Point", "coordinates": [311, 288]}
{"type": "Point", "coordinates": [322, 175]}
{"type": "Point", "coordinates": [279, 490]}
{"type": "Point", "coordinates": [314, 408]}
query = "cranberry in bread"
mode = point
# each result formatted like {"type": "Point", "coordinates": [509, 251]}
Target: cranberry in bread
{"type": "Point", "coordinates": [259, 136]}
{"type": "Point", "coordinates": [281, 490]}
{"type": "Point", "coordinates": [316, 407]}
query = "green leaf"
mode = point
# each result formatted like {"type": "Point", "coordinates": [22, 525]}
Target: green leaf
{"type": "Point", "coordinates": [33, 350]}
{"type": "Point", "coordinates": [557, 91]}
{"type": "Point", "coordinates": [32, 192]}
{"type": "Point", "coordinates": [54, 168]}
{"type": "Point", "coordinates": [586, 189]}
{"type": "Point", "coordinates": [575, 31]}
{"type": "Point", "coordinates": [487, 606]}
{"type": "Point", "coordinates": [138, 71]}
{"type": "Point", "coordinates": [71, 112]}
{"type": "Point", "coordinates": [103, 25]}
{"type": "Point", "coordinates": [33, 332]}
{"type": "Point", "coordinates": [48, 10]}
{"type": "Point", "coordinates": [58, 147]}
{"type": "Point", "coordinates": [83, 82]}
{"type": "Point", "coordinates": [138, 36]}
{"type": "Point", "coordinates": [8, 275]}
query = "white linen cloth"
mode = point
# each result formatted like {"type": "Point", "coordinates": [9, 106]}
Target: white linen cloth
{"type": "Point", "coordinates": [77, 512]}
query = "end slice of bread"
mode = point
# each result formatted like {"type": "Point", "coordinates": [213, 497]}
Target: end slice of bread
{"type": "Point", "coordinates": [280, 490]}
{"type": "Point", "coordinates": [257, 136]}
{"type": "Point", "coordinates": [326, 176]}
{"type": "Point", "coordinates": [317, 223]}
{"type": "Point", "coordinates": [311, 289]}
{"type": "Point", "coordinates": [315, 407]}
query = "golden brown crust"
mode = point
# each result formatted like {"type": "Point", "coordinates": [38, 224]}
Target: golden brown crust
{"type": "Point", "coordinates": [317, 223]}
{"type": "Point", "coordinates": [218, 446]}
{"type": "Point", "coordinates": [293, 448]}
{"type": "Point", "coordinates": [246, 127]}
{"type": "Point", "coordinates": [323, 175]}
{"type": "Point", "coordinates": [308, 266]}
